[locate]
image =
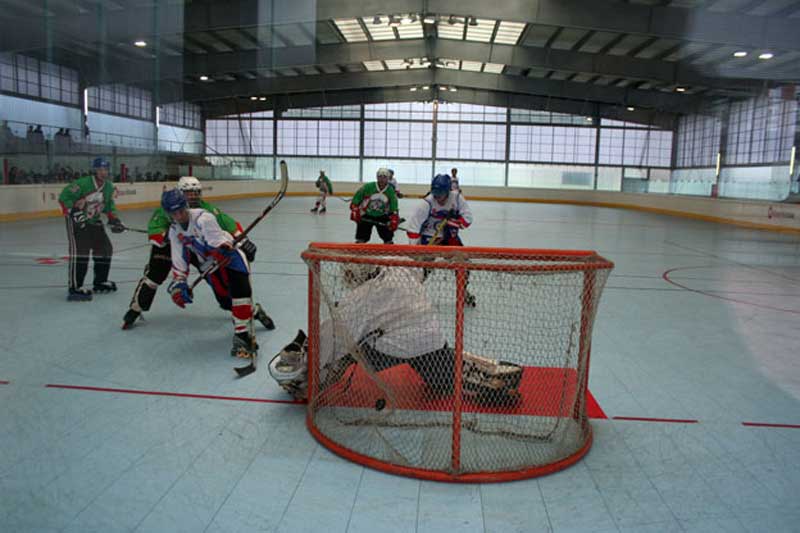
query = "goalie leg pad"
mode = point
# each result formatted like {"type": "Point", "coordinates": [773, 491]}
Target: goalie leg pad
{"type": "Point", "coordinates": [491, 381]}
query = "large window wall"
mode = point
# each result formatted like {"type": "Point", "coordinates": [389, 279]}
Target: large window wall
{"type": "Point", "coordinates": [491, 146]}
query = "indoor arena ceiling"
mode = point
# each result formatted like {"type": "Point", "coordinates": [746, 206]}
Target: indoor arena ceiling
{"type": "Point", "coordinates": [582, 56]}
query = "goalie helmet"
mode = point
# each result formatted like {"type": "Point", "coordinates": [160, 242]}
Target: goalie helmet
{"type": "Point", "coordinates": [383, 172]}
{"type": "Point", "coordinates": [356, 275]}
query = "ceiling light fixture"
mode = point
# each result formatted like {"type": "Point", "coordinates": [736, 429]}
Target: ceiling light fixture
{"type": "Point", "coordinates": [393, 22]}
{"type": "Point", "coordinates": [254, 98]}
{"type": "Point", "coordinates": [740, 53]}
{"type": "Point", "coordinates": [631, 108]}
{"type": "Point", "coordinates": [443, 87]}
{"type": "Point", "coordinates": [588, 119]}
{"type": "Point", "coordinates": [412, 89]}
{"type": "Point", "coordinates": [429, 19]}
{"type": "Point", "coordinates": [452, 20]}
{"type": "Point", "coordinates": [453, 89]}
{"type": "Point", "coordinates": [376, 20]}
{"type": "Point", "coordinates": [204, 78]}
{"type": "Point", "coordinates": [263, 98]}
{"type": "Point", "coordinates": [473, 21]}
{"type": "Point", "coordinates": [406, 19]}
{"type": "Point", "coordinates": [680, 89]}
{"type": "Point", "coordinates": [766, 55]}
{"type": "Point", "coordinates": [425, 87]}
{"type": "Point", "coordinates": [140, 43]}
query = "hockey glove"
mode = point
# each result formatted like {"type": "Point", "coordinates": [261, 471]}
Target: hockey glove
{"type": "Point", "coordinates": [457, 223]}
{"type": "Point", "coordinates": [249, 248]}
{"type": "Point", "coordinates": [115, 225]}
{"type": "Point", "coordinates": [394, 221]}
{"type": "Point", "coordinates": [181, 293]}
{"type": "Point", "coordinates": [355, 213]}
{"type": "Point", "coordinates": [78, 217]}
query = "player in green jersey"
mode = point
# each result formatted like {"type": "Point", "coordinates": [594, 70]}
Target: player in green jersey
{"type": "Point", "coordinates": [82, 203]}
{"type": "Point", "coordinates": [375, 204]}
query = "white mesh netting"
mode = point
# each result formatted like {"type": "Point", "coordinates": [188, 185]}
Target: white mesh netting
{"type": "Point", "coordinates": [390, 327]}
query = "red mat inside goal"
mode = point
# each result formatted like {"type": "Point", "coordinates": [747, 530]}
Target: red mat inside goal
{"type": "Point", "coordinates": [544, 391]}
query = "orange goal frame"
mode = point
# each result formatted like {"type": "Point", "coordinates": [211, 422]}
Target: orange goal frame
{"type": "Point", "coordinates": [562, 261]}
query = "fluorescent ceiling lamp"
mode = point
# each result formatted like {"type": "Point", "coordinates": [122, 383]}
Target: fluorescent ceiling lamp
{"type": "Point", "coordinates": [429, 19]}
{"type": "Point", "coordinates": [588, 119]}
{"type": "Point", "coordinates": [631, 108]}
{"type": "Point", "coordinates": [453, 89]}
{"type": "Point", "coordinates": [376, 20]}
{"type": "Point", "coordinates": [413, 89]}
{"type": "Point", "coordinates": [481, 31]}
{"type": "Point", "coordinates": [140, 43]}
{"type": "Point", "coordinates": [425, 87]}
{"type": "Point", "coordinates": [740, 53]}
{"type": "Point", "coordinates": [263, 98]}
{"type": "Point", "coordinates": [509, 32]}
{"type": "Point", "coordinates": [766, 55]}
{"type": "Point", "coordinates": [493, 68]}
{"type": "Point", "coordinates": [680, 89]}
{"type": "Point", "coordinates": [204, 78]}
{"type": "Point", "coordinates": [373, 65]}
{"type": "Point", "coordinates": [406, 19]}
{"type": "Point", "coordinates": [350, 30]}
{"type": "Point", "coordinates": [254, 98]}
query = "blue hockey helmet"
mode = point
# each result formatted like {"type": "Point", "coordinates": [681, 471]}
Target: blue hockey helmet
{"type": "Point", "coordinates": [101, 162]}
{"type": "Point", "coordinates": [173, 201]}
{"type": "Point", "coordinates": [440, 186]}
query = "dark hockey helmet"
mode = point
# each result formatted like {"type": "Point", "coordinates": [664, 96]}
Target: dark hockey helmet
{"type": "Point", "coordinates": [440, 186]}
{"type": "Point", "coordinates": [173, 201]}
{"type": "Point", "coordinates": [101, 162]}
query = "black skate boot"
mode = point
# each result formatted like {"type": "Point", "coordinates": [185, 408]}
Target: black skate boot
{"type": "Point", "coordinates": [79, 295]}
{"type": "Point", "coordinates": [322, 210]}
{"type": "Point", "coordinates": [316, 207]}
{"type": "Point", "coordinates": [260, 315]}
{"type": "Point", "coordinates": [244, 346]}
{"type": "Point", "coordinates": [130, 318]}
{"type": "Point", "coordinates": [469, 299]}
{"type": "Point", "coordinates": [105, 287]}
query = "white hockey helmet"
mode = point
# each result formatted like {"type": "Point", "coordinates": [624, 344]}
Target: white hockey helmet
{"type": "Point", "coordinates": [189, 183]}
{"type": "Point", "coordinates": [383, 171]}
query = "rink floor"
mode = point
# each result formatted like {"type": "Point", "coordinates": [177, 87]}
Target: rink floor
{"type": "Point", "coordinates": [695, 363]}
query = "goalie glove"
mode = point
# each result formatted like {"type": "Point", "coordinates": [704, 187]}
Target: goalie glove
{"type": "Point", "coordinates": [490, 381]}
{"type": "Point", "coordinates": [180, 292]}
{"type": "Point", "coordinates": [355, 213]}
{"type": "Point", "coordinates": [249, 248]}
{"type": "Point", "coordinates": [394, 221]}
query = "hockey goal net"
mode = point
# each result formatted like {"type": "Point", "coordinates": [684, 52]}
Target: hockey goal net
{"type": "Point", "coordinates": [451, 363]}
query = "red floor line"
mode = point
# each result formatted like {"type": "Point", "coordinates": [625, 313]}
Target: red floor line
{"type": "Point", "coordinates": [668, 420]}
{"type": "Point", "coordinates": [768, 425]}
{"type": "Point", "coordinates": [174, 394]}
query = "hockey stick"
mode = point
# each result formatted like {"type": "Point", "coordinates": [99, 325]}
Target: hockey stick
{"type": "Point", "coordinates": [243, 371]}
{"type": "Point", "coordinates": [278, 197]}
{"type": "Point", "coordinates": [135, 230]}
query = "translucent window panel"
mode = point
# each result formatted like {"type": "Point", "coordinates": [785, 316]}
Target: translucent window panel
{"type": "Point", "coordinates": [399, 111]}
{"type": "Point", "coordinates": [622, 124]}
{"type": "Point", "coordinates": [528, 116]}
{"type": "Point", "coordinates": [659, 180]}
{"type": "Point", "coordinates": [27, 74]}
{"type": "Point", "coordinates": [552, 144]}
{"type": "Point", "coordinates": [611, 146]}
{"type": "Point", "coordinates": [470, 141]}
{"type": "Point", "coordinates": [397, 139]}
{"type": "Point", "coordinates": [693, 181]}
{"type": "Point", "coordinates": [339, 138]}
{"type": "Point", "coordinates": [645, 148]}
{"type": "Point", "coordinates": [698, 140]}
{"type": "Point", "coordinates": [337, 169]}
{"type": "Point", "coordinates": [550, 176]}
{"type": "Point", "coordinates": [474, 172]}
{"type": "Point", "coordinates": [755, 182]}
{"type": "Point", "coordinates": [405, 170]}
{"type": "Point", "coordinates": [472, 113]}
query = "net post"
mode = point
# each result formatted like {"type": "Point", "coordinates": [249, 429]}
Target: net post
{"type": "Point", "coordinates": [313, 337]}
{"type": "Point", "coordinates": [461, 284]}
{"type": "Point", "coordinates": [584, 342]}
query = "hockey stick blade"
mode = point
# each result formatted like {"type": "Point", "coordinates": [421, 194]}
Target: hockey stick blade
{"type": "Point", "coordinates": [243, 371]}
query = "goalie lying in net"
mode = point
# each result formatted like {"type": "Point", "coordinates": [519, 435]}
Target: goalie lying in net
{"type": "Point", "coordinates": [385, 319]}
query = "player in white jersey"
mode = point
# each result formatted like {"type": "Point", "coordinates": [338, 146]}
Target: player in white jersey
{"type": "Point", "coordinates": [439, 216]}
{"type": "Point", "coordinates": [197, 232]}
{"type": "Point", "coordinates": [393, 183]}
{"type": "Point", "coordinates": [389, 318]}
{"type": "Point", "coordinates": [454, 185]}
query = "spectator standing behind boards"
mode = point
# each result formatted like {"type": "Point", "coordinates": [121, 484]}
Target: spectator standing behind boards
{"type": "Point", "coordinates": [82, 203]}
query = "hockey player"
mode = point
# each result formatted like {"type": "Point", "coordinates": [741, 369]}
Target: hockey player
{"type": "Point", "coordinates": [325, 188]}
{"type": "Point", "coordinates": [196, 231]}
{"type": "Point", "coordinates": [160, 261]}
{"type": "Point", "coordinates": [398, 326]}
{"type": "Point", "coordinates": [393, 183]}
{"type": "Point", "coordinates": [82, 203]}
{"type": "Point", "coordinates": [454, 185]}
{"type": "Point", "coordinates": [438, 218]}
{"type": "Point", "coordinates": [375, 204]}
